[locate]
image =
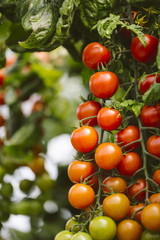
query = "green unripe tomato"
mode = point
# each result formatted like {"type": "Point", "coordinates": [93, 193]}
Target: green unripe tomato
{"type": "Point", "coordinates": [102, 228]}
{"type": "Point", "coordinates": [6, 189]}
{"type": "Point", "coordinates": [148, 235]}
{"type": "Point", "coordinates": [44, 182]}
{"type": "Point", "coordinates": [71, 225]}
{"type": "Point", "coordinates": [2, 173]}
{"type": "Point", "coordinates": [64, 235]}
{"type": "Point", "coordinates": [81, 236]}
{"type": "Point", "coordinates": [25, 185]}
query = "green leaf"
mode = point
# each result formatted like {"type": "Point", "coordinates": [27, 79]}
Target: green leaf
{"type": "Point", "coordinates": [143, 77]}
{"type": "Point", "coordinates": [106, 26]}
{"type": "Point", "coordinates": [42, 26]}
{"type": "Point", "coordinates": [152, 96]}
{"type": "Point", "coordinates": [158, 57]}
{"type": "Point", "coordinates": [138, 31]}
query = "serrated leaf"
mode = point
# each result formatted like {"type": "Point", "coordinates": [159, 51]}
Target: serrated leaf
{"type": "Point", "coordinates": [137, 109]}
{"type": "Point", "coordinates": [143, 77]}
{"type": "Point", "coordinates": [138, 30]}
{"type": "Point", "coordinates": [152, 96]}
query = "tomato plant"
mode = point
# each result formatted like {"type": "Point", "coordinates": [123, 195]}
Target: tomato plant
{"type": "Point", "coordinates": [127, 136]}
{"type": "Point", "coordinates": [103, 84]}
{"type": "Point", "coordinates": [116, 206]}
{"type": "Point", "coordinates": [109, 119]}
{"type": "Point", "coordinates": [95, 54]}
{"type": "Point", "coordinates": [129, 229]}
{"type": "Point", "coordinates": [130, 163]}
{"type": "Point", "coordinates": [88, 109]}
{"type": "Point", "coordinates": [150, 217]}
{"type": "Point", "coordinates": [103, 228]}
{"type": "Point", "coordinates": [150, 115]}
{"type": "Point", "coordinates": [108, 155]}
{"type": "Point", "coordinates": [84, 139]}
{"type": "Point", "coordinates": [81, 195]}
{"type": "Point", "coordinates": [145, 54]}
{"type": "Point", "coordinates": [135, 211]}
{"type": "Point", "coordinates": [117, 184]}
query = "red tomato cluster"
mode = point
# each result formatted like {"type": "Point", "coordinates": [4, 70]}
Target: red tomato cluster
{"type": "Point", "coordinates": [119, 208]}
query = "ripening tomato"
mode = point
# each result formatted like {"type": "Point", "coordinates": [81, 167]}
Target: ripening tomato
{"type": "Point", "coordinates": [145, 54]}
{"type": "Point", "coordinates": [156, 176]}
{"type": "Point", "coordinates": [130, 163]}
{"type": "Point", "coordinates": [150, 217]}
{"type": "Point", "coordinates": [81, 195]}
{"type": "Point", "coordinates": [129, 230]}
{"type": "Point", "coordinates": [71, 225]}
{"type": "Point", "coordinates": [108, 155]}
{"type": "Point", "coordinates": [102, 228]}
{"type": "Point", "coordinates": [88, 109]}
{"type": "Point", "coordinates": [153, 145]}
{"type": "Point", "coordinates": [117, 184]}
{"type": "Point", "coordinates": [81, 236]}
{"type": "Point", "coordinates": [103, 84]}
{"type": "Point", "coordinates": [38, 106]}
{"type": "Point", "coordinates": [94, 54]}
{"type": "Point", "coordinates": [150, 116]}
{"type": "Point", "coordinates": [116, 206]}
{"type": "Point", "coordinates": [127, 136]}
{"type": "Point", "coordinates": [64, 235]}
{"type": "Point", "coordinates": [2, 76]}
{"type": "Point", "coordinates": [155, 198]}
{"type": "Point", "coordinates": [148, 81]}
{"type": "Point", "coordinates": [37, 165]}
{"type": "Point", "coordinates": [150, 235]}
{"type": "Point", "coordinates": [84, 139]}
{"type": "Point", "coordinates": [79, 170]}
{"type": "Point", "coordinates": [109, 119]}
{"type": "Point", "coordinates": [137, 187]}
{"type": "Point", "coordinates": [136, 211]}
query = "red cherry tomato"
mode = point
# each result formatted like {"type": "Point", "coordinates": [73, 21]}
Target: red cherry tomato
{"type": "Point", "coordinates": [136, 210]}
{"type": "Point", "coordinates": [84, 139]}
{"type": "Point", "coordinates": [108, 155]}
{"type": "Point", "coordinates": [109, 119]}
{"type": "Point", "coordinates": [79, 170]}
{"type": "Point", "coordinates": [150, 217]}
{"type": "Point", "coordinates": [145, 54]}
{"type": "Point", "coordinates": [88, 109]}
{"type": "Point", "coordinates": [128, 135]}
{"type": "Point", "coordinates": [150, 116]}
{"type": "Point", "coordinates": [137, 187]}
{"type": "Point", "coordinates": [94, 54]}
{"type": "Point", "coordinates": [117, 184]}
{"type": "Point", "coordinates": [149, 80]}
{"type": "Point", "coordinates": [130, 163]}
{"type": "Point", "coordinates": [103, 84]}
{"type": "Point", "coordinates": [81, 196]}
{"type": "Point", "coordinates": [156, 176]}
{"type": "Point", "coordinates": [153, 145]}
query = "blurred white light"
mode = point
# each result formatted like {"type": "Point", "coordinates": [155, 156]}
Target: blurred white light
{"type": "Point", "coordinates": [50, 207]}
{"type": "Point", "coordinates": [18, 222]}
{"type": "Point", "coordinates": [65, 213]}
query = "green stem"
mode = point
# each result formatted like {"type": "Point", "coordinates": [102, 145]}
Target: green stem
{"type": "Point", "coordinates": [128, 90]}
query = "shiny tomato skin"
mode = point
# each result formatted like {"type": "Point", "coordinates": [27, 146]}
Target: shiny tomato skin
{"type": "Point", "coordinates": [149, 80]}
{"type": "Point", "coordinates": [117, 184]}
{"type": "Point", "coordinates": [81, 236]}
{"type": "Point", "coordinates": [155, 198]}
{"type": "Point", "coordinates": [102, 228]}
{"type": "Point", "coordinates": [109, 119]}
{"type": "Point", "coordinates": [153, 145]}
{"type": "Point", "coordinates": [129, 230]}
{"type": "Point", "coordinates": [134, 189]}
{"type": "Point", "coordinates": [150, 235]}
{"type": "Point", "coordinates": [116, 206]}
{"type": "Point", "coordinates": [94, 54]}
{"type": "Point", "coordinates": [150, 115]}
{"type": "Point", "coordinates": [145, 54]}
{"type": "Point", "coordinates": [150, 217]}
{"type": "Point", "coordinates": [88, 109]}
{"type": "Point", "coordinates": [130, 163]}
{"type": "Point", "coordinates": [128, 135]}
{"type": "Point", "coordinates": [84, 139]}
{"type": "Point", "coordinates": [103, 84]}
{"type": "Point", "coordinates": [64, 235]}
{"type": "Point", "coordinates": [81, 195]}
{"type": "Point", "coordinates": [108, 155]}
{"type": "Point", "coordinates": [138, 209]}
{"type": "Point", "coordinates": [156, 176]}
{"type": "Point", "coordinates": [79, 170]}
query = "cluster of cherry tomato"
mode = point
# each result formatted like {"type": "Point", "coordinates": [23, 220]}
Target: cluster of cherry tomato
{"type": "Point", "coordinates": [118, 209]}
